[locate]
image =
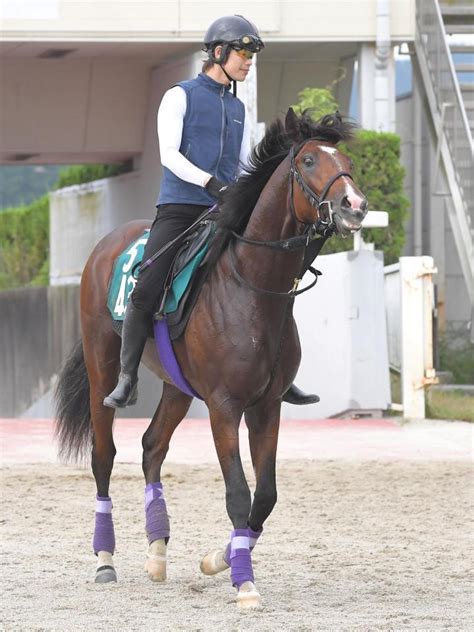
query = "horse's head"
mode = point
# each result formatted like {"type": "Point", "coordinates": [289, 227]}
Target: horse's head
{"type": "Point", "coordinates": [322, 190]}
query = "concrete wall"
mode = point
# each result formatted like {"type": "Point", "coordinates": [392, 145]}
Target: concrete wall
{"type": "Point", "coordinates": [341, 324]}
{"type": "Point", "coordinates": [291, 68]}
{"type": "Point", "coordinates": [38, 327]}
{"type": "Point", "coordinates": [73, 110]}
{"type": "Point", "coordinates": [65, 20]}
{"type": "Point", "coordinates": [81, 215]}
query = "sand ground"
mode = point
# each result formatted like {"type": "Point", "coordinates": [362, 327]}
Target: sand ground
{"type": "Point", "coordinates": [349, 546]}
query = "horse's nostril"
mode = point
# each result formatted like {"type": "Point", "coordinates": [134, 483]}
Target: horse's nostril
{"type": "Point", "coordinates": [346, 202]}
{"type": "Point", "coordinates": [363, 205]}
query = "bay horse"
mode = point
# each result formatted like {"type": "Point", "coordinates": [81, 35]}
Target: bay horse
{"type": "Point", "coordinates": [240, 350]}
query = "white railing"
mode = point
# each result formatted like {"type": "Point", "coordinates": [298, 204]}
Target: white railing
{"type": "Point", "coordinates": [408, 309]}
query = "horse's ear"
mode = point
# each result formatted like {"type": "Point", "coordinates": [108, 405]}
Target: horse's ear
{"type": "Point", "coordinates": [291, 124]}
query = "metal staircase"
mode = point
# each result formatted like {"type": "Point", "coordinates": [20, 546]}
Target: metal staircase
{"type": "Point", "coordinates": [450, 100]}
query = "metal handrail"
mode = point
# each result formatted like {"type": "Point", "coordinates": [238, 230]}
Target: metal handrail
{"type": "Point", "coordinates": [432, 38]}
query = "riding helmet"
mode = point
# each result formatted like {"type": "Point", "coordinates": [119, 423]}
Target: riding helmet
{"type": "Point", "coordinates": [233, 31]}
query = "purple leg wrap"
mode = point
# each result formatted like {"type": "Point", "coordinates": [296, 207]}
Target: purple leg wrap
{"type": "Point", "coordinates": [157, 521]}
{"type": "Point", "coordinates": [104, 536]}
{"type": "Point", "coordinates": [253, 537]}
{"type": "Point", "coordinates": [240, 561]}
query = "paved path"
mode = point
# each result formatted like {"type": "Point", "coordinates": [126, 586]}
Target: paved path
{"type": "Point", "coordinates": [32, 441]}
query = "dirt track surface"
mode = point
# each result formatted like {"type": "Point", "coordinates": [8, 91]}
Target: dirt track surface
{"type": "Point", "coordinates": [349, 546]}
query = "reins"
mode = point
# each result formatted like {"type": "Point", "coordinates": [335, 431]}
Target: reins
{"type": "Point", "coordinates": [290, 294]}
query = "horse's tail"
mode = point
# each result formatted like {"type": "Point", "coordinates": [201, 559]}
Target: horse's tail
{"type": "Point", "coordinates": [73, 415]}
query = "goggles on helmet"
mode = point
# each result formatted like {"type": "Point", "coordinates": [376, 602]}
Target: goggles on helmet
{"type": "Point", "coordinates": [249, 43]}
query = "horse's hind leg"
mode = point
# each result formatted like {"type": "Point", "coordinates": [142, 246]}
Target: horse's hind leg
{"type": "Point", "coordinates": [102, 361]}
{"type": "Point", "coordinates": [171, 410]}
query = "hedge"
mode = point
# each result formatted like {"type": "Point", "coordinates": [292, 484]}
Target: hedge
{"type": "Point", "coordinates": [379, 174]}
{"type": "Point", "coordinates": [24, 239]}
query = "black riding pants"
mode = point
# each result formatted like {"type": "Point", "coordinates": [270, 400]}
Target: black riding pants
{"type": "Point", "coordinates": [171, 220]}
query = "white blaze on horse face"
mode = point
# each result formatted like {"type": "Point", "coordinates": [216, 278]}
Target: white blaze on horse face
{"type": "Point", "coordinates": [355, 200]}
{"type": "Point", "coordinates": [329, 150]}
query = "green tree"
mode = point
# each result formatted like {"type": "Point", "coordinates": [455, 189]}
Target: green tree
{"type": "Point", "coordinates": [320, 100]}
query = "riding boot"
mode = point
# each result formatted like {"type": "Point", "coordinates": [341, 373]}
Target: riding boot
{"type": "Point", "coordinates": [296, 396]}
{"type": "Point", "coordinates": [136, 326]}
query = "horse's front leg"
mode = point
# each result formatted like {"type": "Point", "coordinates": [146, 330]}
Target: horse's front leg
{"type": "Point", "coordinates": [225, 420]}
{"type": "Point", "coordinates": [171, 410]}
{"type": "Point", "coordinates": [263, 422]}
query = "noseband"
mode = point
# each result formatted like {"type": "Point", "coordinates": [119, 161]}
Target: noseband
{"type": "Point", "coordinates": [324, 225]}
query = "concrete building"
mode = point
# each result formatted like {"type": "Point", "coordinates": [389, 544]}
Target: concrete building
{"type": "Point", "coordinates": [81, 83]}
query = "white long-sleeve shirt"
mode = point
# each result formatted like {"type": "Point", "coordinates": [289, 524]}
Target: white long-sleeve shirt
{"type": "Point", "coordinates": [170, 130]}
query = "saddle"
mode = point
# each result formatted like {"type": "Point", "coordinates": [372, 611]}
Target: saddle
{"type": "Point", "coordinates": [185, 278]}
{"type": "Point", "coordinates": [183, 284]}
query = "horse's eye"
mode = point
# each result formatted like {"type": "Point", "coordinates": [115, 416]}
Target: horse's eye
{"type": "Point", "coordinates": [308, 161]}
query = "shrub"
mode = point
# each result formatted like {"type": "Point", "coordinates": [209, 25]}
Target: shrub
{"type": "Point", "coordinates": [24, 238]}
{"type": "Point", "coordinates": [379, 174]}
{"type": "Point", "coordinates": [80, 174]}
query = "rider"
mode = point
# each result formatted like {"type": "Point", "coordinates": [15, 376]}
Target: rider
{"type": "Point", "coordinates": [204, 137]}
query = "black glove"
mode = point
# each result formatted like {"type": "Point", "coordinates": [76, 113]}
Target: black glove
{"type": "Point", "coordinates": [215, 187]}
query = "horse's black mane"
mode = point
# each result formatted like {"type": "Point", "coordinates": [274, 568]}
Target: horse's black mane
{"type": "Point", "coordinates": [240, 198]}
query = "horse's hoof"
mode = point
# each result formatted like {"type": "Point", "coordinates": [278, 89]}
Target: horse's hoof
{"type": "Point", "coordinates": [156, 569]}
{"type": "Point", "coordinates": [213, 563]}
{"type": "Point", "coordinates": [155, 564]}
{"type": "Point", "coordinates": [248, 596]}
{"type": "Point", "coordinates": [105, 574]}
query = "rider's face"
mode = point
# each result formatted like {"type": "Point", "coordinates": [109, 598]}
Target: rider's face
{"type": "Point", "coordinates": [237, 65]}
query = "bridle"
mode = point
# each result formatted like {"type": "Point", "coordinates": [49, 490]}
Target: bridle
{"type": "Point", "coordinates": [322, 229]}
{"type": "Point", "coordinates": [324, 225]}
